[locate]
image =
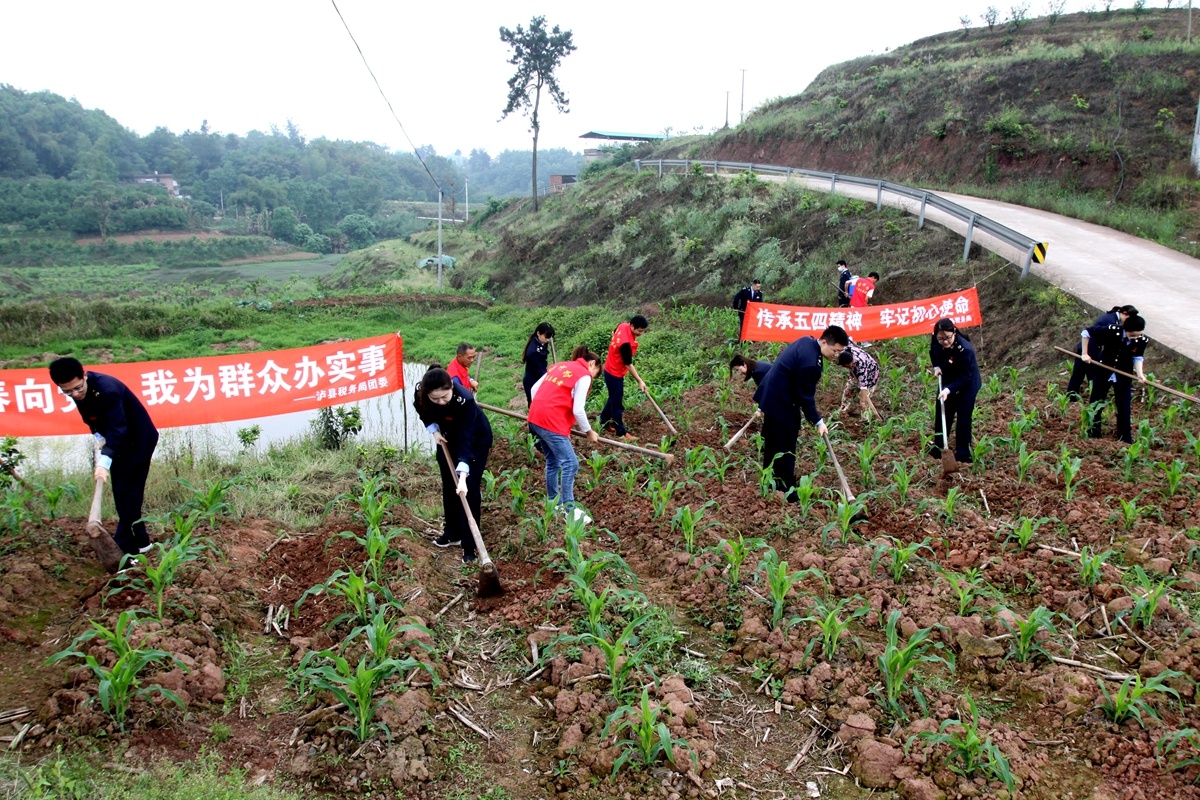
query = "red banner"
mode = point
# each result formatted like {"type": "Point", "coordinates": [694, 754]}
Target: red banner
{"type": "Point", "coordinates": [765, 322]}
{"type": "Point", "coordinates": [196, 391]}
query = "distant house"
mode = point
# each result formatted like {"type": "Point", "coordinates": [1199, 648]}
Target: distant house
{"type": "Point", "coordinates": [559, 183]}
{"type": "Point", "coordinates": [596, 154]}
{"type": "Point", "coordinates": [164, 180]}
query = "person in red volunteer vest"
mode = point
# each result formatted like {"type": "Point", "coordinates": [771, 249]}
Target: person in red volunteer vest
{"type": "Point", "coordinates": [460, 367]}
{"type": "Point", "coordinates": [558, 402]}
{"type": "Point", "coordinates": [621, 350]}
{"type": "Point", "coordinates": [863, 289]}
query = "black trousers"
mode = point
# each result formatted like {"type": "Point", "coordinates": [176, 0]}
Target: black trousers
{"type": "Point", "coordinates": [614, 407]}
{"type": "Point", "coordinates": [128, 478]}
{"type": "Point", "coordinates": [1081, 372]}
{"type": "Point", "coordinates": [1123, 397]}
{"type": "Point", "coordinates": [779, 450]}
{"type": "Point", "coordinates": [452, 508]}
{"type": "Point", "coordinates": [962, 406]}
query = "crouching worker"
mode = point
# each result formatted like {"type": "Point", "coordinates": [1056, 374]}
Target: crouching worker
{"type": "Point", "coordinates": [559, 401]}
{"type": "Point", "coordinates": [751, 369]}
{"type": "Point", "coordinates": [864, 376]}
{"type": "Point", "coordinates": [111, 410]}
{"type": "Point", "coordinates": [452, 418]}
{"type": "Point", "coordinates": [787, 396]}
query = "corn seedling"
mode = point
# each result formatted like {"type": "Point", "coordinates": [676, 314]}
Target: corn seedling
{"type": "Point", "coordinates": [697, 459]}
{"type": "Point", "coordinates": [1025, 644]}
{"type": "Point", "coordinates": [806, 492]}
{"type": "Point", "coordinates": [357, 591]}
{"type": "Point", "coordinates": [1068, 469]}
{"type": "Point", "coordinates": [1091, 565]}
{"type": "Point", "coordinates": [212, 502]}
{"type": "Point", "coordinates": [1129, 460]}
{"type": "Point", "coordinates": [1174, 473]}
{"type": "Point", "coordinates": [541, 524]}
{"type": "Point", "coordinates": [630, 478]}
{"type": "Point", "coordinates": [994, 386]}
{"type": "Point", "coordinates": [831, 624]}
{"type": "Point", "coordinates": [1147, 435]}
{"type": "Point", "coordinates": [1128, 701]}
{"type": "Point", "coordinates": [899, 557]}
{"type": "Point", "coordinates": [660, 496]}
{"type": "Point", "coordinates": [1172, 742]}
{"type": "Point", "coordinates": [119, 684]}
{"type": "Point", "coordinates": [354, 686]}
{"type": "Point", "coordinates": [845, 517]}
{"type": "Point", "coordinates": [377, 543]}
{"type": "Point", "coordinates": [381, 631]}
{"type": "Point", "coordinates": [970, 753]}
{"type": "Point", "coordinates": [1147, 598]}
{"type": "Point", "coordinates": [734, 552]}
{"type": "Point", "coordinates": [780, 582]}
{"type": "Point", "coordinates": [649, 740]}
{"type": "Point", "coordinates": [903, 477]}
{"type": "Point", "coordinates": [490, 486]}
{"type": "Point", "coordinates": [529, 444]}
{"type": "Point", "coordinates": [1025, 462]}
{"type": "Point", "coordinates": [622, 655]}
{"type": "Point", "coordinates": [1129, 512]}
{"type": "Point", "coordinates": [514, 481]}
{"type": "Point", "coordinates": [867, 453]}
{"type": "Point", "coordinates": [158, 574]}
{"type": "Point", "coordinates": [898, 665]}
{"type": "Point", "coordinates": [1023, 531]}
{"type": "Point", "coordinates": [53, 496]}
{"type": "Point", "coordinates": [766, 479]}
{"type": "Point", "coordinates": [119, 638]}
{"type": "Point", "coordinates": [689, 523]}
{"type": "Point", "coordinates": [968, 586]}
{"type": "Point", "coordinates": [954, 496]}
{"type": "Point", "coordinates": [1193, 443]}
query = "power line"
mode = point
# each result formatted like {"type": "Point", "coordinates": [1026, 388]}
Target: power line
{"type": "Point", "coordinates": [416, 152]}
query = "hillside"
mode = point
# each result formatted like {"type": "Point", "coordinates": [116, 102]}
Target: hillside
{"type": "Point", "coordinates": [1089, 115]}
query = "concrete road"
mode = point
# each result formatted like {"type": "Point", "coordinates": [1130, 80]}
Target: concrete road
{"type": "Point", "coordinates": [1100, 266]}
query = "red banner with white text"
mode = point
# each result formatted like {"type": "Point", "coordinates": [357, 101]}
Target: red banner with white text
{"type": "Point", "coordinates": [196, 391]}
{"type": "Point", "coordinates": [765, 322]}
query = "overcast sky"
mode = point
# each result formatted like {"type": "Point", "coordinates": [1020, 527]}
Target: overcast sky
{"type": "Point", "coordinates": [640, 66]}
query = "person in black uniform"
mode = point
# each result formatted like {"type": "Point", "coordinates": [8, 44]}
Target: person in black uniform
{"type": "Point", "coordinates": [953, 357]}
{"type": "Point", "coordinates": [751, 369]}
{"type": "Point", "coordinates": [1080, 370]}
{"type": "Point", "coordinates": [788, 392]}
{"type": "Point", "coordinates": [1123, 347]}
{"type": "Point", "coordinates": [111, 410]}
{"type": "Point", "coordinates": [751, 294]}
{"type": "Point", "coordinates": [536, 357]}
{"type": "Point", "coordinates": [844, 277]}
{"type": "Point", "coordinates": [451, 416]}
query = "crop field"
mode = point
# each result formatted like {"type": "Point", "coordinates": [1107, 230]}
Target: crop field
{"type": "Point", "coordinates": [1026, 628]}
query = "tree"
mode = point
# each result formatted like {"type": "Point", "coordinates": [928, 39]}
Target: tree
{"type": "Point", "coordinates": [358, 229]}
{"type": "Point", "coordinates": [536, 53]}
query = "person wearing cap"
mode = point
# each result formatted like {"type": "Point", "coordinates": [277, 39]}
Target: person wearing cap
{"type": "Point", "coordinates": [113, 412]}
{"type": "Point", "coordinates": [1123, 347]}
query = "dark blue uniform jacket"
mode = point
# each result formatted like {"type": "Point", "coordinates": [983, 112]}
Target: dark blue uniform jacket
{"type": "Point", "coordinates": [790, 387]}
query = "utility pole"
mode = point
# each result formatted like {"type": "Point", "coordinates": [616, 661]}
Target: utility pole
{"type": "Point", "coordinates": [439, 238]}
{"type": "Point", "coordinates": [742, 117]}
{"type": "Point", "coordinates": [726, 108]}
{"type": "Point", "coordinates": [467, 202]}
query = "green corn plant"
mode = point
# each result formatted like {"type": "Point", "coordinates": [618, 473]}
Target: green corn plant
{"type": "Point", "coordinates": [358, 592]}
{"type": "Point", "coordinates": [378, 546]}
{"type": "Point", "coordinates": [898, 665]}
{"type": "Point", "coordinates": [54, 496]}
{"type": "Point", "coordinates": [968, 586]}
{"type": "Point", "coordinates": [595, 464]}
{"type": "Point", "coordinates": [630, 478]}
{"type": "Point", "coordinates": [212, 502]}
{"type": "Point", "coordinates": [954, 496]}
{"type": "Point", "coordinates": [1090, 414]}
{"type": "Point", "coordinates": [622, 655]}
{"type": "Point", "coordinates": [355, 686]}
{"type": "Point", "coordinates": [697, 460]}
{"type": "Point", "coordinates": [541, 524]}
{"type": "Point", "coordinates": [120, 684]}
{"type": "Point", "coordinates": [902, 478]}
{"type": "Point", "coordinates": [689, 523]}
{"type": "Point", "coordinates": [514, 481]}
{"type": "Point", "coordinates": [983, 448]}
{"type": "Point", "coordinates": [1174, 473]}
{"type": "Point", "coordinates": [970, 753]}
{"type": "Point", "coordinates": [381, 631]}
{"type": "Point", "coordinates": [722, 464]}
{"type": "Point", "coordinates": [1025, 462]}
{"type": "Point", "coordinates": [780, 582]}
{"type": "Point", "coordinates": [832, 625]}
{"type": "Point", "coordinates": [1171, 416]}
{"type": "Point", "coordinates": [118, 638]}
{"type": "Point", "coordinates": [766, 479]}
{"type": "Point", "coordinates": [1068, 468]}
{"type": "Point", "coordinates": [1130, 459]}
{"type": "Point", "coordinates": [489, 486]}
{"type": "Point", "coordinates": [1172, 742]}
{"type": "Point", "coordinates": [660, 496]}
{"type": "Point", "coordinates": [1147, 435]}
{"type": "Point", "coordinates": [845, 517]}
{"type": "Point", "coordinates": [1148, 597]}
{"type": "Point", "coordinates": [868, 451]}
{"type": "Point", "coordinates": [529, 446]}
{"type": "Point", "coordinates": [1060, 399]}
{"type": "Point", "coordinates": [1129, 701]}
{"type": "Point", "coordinates": [994, 386]}
{"type": "Point", "coordinates": [158, 574]}
{"type": "Point", "coordinates": [1091, 565]}
{"type": "Point", "coordinates": [1129, 512]}
{"type": "Point", "coordinates": [1023, 531]}
{"type": "Point", "coordinates": [666, 443]}
{"type": "Point", "coordinates": [1025, 644]}
{"type": "Point", "coordinates": [806, 492]}
{"type": "Point", "coordinates": [899, 557]}
{"type": "Point", "coordinates": [734, 553]}
{"type": "Point", "coordinates": [1193, 443]}
{"type": "Point", "coordinates": [648, 738]}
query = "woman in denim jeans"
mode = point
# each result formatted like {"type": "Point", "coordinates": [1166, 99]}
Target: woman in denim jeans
{"type": "Point", "coordinates": [558, 403]}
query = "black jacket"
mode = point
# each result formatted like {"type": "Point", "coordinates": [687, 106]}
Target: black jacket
{"type": "Point", "coordinates": [790, 386]}
{"type": "Point", "coordinates": [110, 409]}
{"type": "Point", "coordinates": [1116, 350]}
{"type": "Point", "coordinates": [747, 295]}
{"type": "Point", "coordinates": [960, 369]}
{"type": "Point", "coordinates": [760, 372]}
{"type": "Point", "coordinates": [467, 430]}
{"type": "Point", "coordinates": [537, 355]}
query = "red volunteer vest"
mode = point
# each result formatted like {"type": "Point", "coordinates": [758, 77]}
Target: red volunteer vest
{"type": "Point", "coordinates": [552, 404]}
{"type": "Point", "coordinates": [862, 289]}
{"type": "Point", "coordinates": [457, 370]}
{"type": "Point", "coordinates": [613, 365]}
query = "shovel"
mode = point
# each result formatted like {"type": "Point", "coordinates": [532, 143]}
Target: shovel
{"type": "Point", "coordinates": [949, 464]}
{"type": "Point", "coordinates": [489, 577]}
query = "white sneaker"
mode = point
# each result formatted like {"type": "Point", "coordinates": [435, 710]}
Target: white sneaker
{"type": "Point", "coordinates": [579, 515]}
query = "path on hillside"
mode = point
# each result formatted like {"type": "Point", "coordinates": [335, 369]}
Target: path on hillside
{"type": "Point", "coordinates": [1098, 265]}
